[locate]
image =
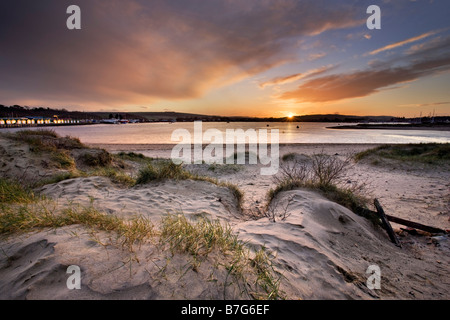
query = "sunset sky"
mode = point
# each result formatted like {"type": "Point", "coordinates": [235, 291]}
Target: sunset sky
{"type": "Point", "coordinates": [228, 57]}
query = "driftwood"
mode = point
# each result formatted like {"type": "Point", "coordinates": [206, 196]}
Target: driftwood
{"type": "Point", "coordinates": [373, 216]}
{"type": "Point", "coordinates": [386, 223]}
{"type": "Point", "coordinates": [415, 225]}
{"type": "Point", "coordinates": [381, 218]}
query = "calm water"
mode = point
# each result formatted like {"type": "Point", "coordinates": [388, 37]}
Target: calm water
{"type": "Point", "coordinates": [160, 133]}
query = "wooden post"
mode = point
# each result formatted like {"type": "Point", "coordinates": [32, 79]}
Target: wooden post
{"type": "Point", "coordinates": [386, 223]}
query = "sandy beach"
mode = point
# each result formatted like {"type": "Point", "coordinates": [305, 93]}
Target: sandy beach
{"type": "Point", "coordinates": [400, 187]}
{"type": "Point", "coordinates": [319, 250]}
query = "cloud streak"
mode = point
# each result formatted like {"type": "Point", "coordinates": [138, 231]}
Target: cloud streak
{"type": "Point", "coordinates": [421, 105]}
{"type": "Point", "coordinates": [297, 76]}
{"type": "Point", "coordinates": [428, 61]}
{"type": "Point", "coordinates": [402, 43]}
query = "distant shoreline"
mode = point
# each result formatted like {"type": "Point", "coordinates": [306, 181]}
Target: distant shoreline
{"type": "Point", "coordinates": [365, 126]}
{"type": "Point", "coordinates": [169, 146]}
{"type": "Point", "coordinates": [165, 150]}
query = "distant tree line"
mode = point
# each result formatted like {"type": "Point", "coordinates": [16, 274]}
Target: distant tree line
{"type": "Point", "coordinates": [16, 111]}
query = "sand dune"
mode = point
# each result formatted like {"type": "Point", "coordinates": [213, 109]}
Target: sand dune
{"type": "Point", "coordinates": [192, 198]}
{"type": "Point", "coordinates": [324, 250]}
{"type": "Point", "coordinates": [17, 162]}
{"type": "Point", "coordinates": [37, 263]}
{"type": "Point", "coordinates": [320, 251]}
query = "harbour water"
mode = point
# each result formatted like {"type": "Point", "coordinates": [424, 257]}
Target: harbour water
{"type": "Point", "coordinates": [291, 132]}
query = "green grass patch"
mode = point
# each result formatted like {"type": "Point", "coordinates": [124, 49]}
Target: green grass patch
{"type": "Point", "coordinates": [129, 232]}
{"type": "Point", "coordinates": [324, 174]}
{"type": "Point", "coordinates": [431, 153]}
{"type": "Point", "coordinates": [58, 150]}
{"type": "Point", "coordinates": [97, 158]}
{"type": "Point", "coordinates": [59, 177]}
{"type": "Point", "coordinates": [286, 185]}
{"type": "Point", "coordinates": [47, 141]}
{"type": "Point", "coordinates": [344, 196]}
{"type": "Point", "coordinates": [202, 237]}
{"type": "Point", "coordinates": [238, 194]}
{"type": "Point", "coordinates": [44, 214]}
{"type": "Point", "coordinates": [39, 132]}
{"type": "Point", "coordinates": [62, 159]}
{"type": "Point", "coordinates": [197, 239]}
{"type": "Point", "coordinates": [115, 175]}
{"type": "Point", "coordinates": [135, 157]}
{"type": "Point", "coordinates": [167, 170]}
{"type": "Point", "coordinates": [262, 263]}
{"type": "Point", "coordinates": [163, 170]}
{"type": "Point", "coordinates": [13, 192]}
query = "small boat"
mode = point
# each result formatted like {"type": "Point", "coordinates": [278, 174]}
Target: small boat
{"type": "Point", "coordinates": [109, 121]}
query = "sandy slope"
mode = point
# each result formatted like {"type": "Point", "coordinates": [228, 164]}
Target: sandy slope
{"type": "Point", "coordinates": [322, 250]}
{"type": "Point", "coordinates": [192, 198]}
{"type": "Point", "coordinates": [17, 162]}
{"type": "Point", "coordinates": [36, 266]}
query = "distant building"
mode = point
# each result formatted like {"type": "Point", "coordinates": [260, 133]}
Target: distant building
{"type": "Point", "coordinates": [35, 121]}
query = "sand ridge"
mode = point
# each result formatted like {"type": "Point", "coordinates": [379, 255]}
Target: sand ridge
{"type": "Point", "coordinates": [191, 198]}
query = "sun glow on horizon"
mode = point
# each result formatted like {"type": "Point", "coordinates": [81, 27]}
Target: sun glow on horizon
{"type": "Point", "coordinates": [277, 59]}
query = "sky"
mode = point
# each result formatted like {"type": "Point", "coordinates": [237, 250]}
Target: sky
{"type": "Point", "coordinates": [262, 58]}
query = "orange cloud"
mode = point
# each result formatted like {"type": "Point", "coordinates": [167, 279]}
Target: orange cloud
{"type": "Point", "coordinates": [298, 76]}
{"type": "Point", "coordinates": [402, 43]}
{"type": "Point", "coordinates": [336, 87]}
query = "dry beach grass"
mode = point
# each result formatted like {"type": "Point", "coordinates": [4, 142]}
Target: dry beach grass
{"type": "Point", "coordinates": [141, 227]}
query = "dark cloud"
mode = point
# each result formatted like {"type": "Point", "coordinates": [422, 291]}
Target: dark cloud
{"type": "Point", "coordinates": [421, 62]}
{"type": "Point", "coordinates": [132, 52]}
